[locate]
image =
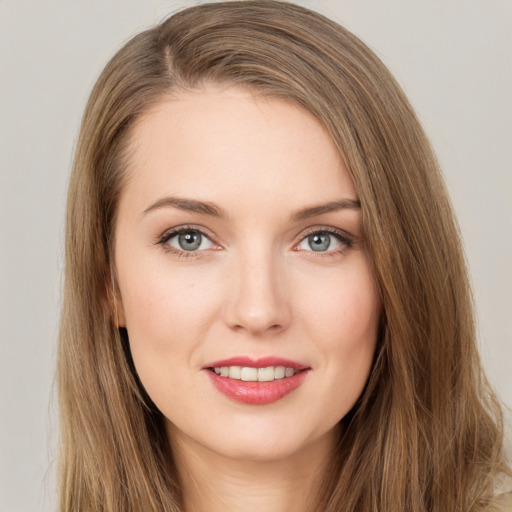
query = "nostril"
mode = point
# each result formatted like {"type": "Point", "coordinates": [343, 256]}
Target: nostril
{"type": "Point", "coordinates": [257, 307]}
{"type": "Point", "coordinates": [257, 329]}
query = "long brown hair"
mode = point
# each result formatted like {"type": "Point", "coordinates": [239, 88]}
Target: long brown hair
{"type": "Point", "coordinates": [426, 434]}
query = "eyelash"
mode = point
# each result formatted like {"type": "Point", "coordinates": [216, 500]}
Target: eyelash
{"type": "Point", "coordinates": [344, 238]}
{"type": "Point", "coordinates": [165, 237]}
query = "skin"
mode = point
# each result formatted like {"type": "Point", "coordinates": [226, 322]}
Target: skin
{"type": "Point", "coordinates": [255, 287]}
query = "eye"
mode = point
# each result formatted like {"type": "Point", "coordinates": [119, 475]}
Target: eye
{"type": "Point", "coordinates": [324, 241]}
{"type": "Point", "coordinates": [188, 240]}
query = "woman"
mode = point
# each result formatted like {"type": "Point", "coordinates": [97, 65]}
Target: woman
{"type": "Point", "coordinates": [266, 303]}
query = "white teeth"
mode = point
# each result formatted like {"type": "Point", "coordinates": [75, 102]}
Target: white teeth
{"type": "Point", "coordinates": [235, 372]}
{"type": "Point", "coordinates": [279, 372]}
{"type": "Point", "coordinates": [265, 374]}
{"type": "Point", "coordinates": [249, 374]}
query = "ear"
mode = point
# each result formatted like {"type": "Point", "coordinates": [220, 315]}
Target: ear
{"type": "Point", "coordinates": [115, 302]}
{"type": "Point", "coordinates": [119, 315]}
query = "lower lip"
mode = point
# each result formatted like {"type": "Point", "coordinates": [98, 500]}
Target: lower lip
{"type": "Point", "coordinates": [256, 393]}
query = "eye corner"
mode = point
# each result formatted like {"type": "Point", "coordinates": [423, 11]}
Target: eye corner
{"type": "Point", "coordinates": [343, 241]}
{"type": "Point", "coordinates": [170, 240]}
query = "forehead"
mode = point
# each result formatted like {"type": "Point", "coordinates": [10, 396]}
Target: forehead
{"type": "Point", "coordinates": [219, 143]}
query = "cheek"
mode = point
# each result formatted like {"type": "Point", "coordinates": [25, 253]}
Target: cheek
{"type": "Point", "coordinates": [345, 308]}
{"type": "Point", "coordinates": [162, 303]}
{"type": "Point", "coordinates": [166, 313]}
{"type": "Point", "coordinates": [343, 317]}
{"type": "Point", "coordinates": [166, 323]}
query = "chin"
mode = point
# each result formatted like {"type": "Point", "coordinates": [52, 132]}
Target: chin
{"type": "Point", "coordinates": [261, 450]}
{"type": "Point", "coordinates": [259, 439]}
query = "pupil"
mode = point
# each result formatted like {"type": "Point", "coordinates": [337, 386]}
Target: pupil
{"type": "Point", "coordinates": [189, 241]}
{"type": "Point", "coordinates": [319, 242]}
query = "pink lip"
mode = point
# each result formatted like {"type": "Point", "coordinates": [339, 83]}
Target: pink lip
{"type": "Point", "coordinates": [262, 362]}
{"type": "Point", "coordinates": [257, 393]}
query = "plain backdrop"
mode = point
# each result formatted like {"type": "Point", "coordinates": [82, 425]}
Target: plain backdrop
{"type": "Point", "coordinates": [452, 57]}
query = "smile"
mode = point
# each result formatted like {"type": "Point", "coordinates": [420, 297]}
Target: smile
{"type": "Point", "coordinates": [259, 382]}
{"type": "Point", "coordinates": [249, 374]}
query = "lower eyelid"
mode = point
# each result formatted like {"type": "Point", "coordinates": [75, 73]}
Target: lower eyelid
{"type": "Point", "coordinates": [164, 239]}
{"type": "Point", "coordinates": [203, 238]}
{"type": "Point", "coordinates": [344, 240]}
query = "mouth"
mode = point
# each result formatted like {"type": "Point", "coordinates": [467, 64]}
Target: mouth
{"type": "Point", "coordinates": [249, 374]}
{"type": "Point", "coordinates": [256, 382]}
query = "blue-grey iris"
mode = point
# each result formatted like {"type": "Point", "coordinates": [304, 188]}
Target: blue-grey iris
{"type": "Point", "coordinates": [319, 242]}
{"type": "Point", "coordinates": [190, 241]}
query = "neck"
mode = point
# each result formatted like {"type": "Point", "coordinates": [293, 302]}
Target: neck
{"type": "Point", "coordinates": [212, 482]}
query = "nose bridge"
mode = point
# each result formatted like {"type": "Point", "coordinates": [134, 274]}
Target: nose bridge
{"type": "Point", "coordinates": [258, 303]}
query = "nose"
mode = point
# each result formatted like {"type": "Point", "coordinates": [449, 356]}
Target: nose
{"type": "Point", "coordinates": [257, 299]}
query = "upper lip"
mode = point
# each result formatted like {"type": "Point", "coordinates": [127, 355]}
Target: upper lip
{"type": "Point", "coordinates": [262, 362]}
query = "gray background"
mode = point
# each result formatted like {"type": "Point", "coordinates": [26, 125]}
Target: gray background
{"type": "Point", "coordinates": [453, 58]}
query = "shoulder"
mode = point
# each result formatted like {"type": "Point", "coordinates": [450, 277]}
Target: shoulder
{"type": "Point", "coordinates": [502, 503]}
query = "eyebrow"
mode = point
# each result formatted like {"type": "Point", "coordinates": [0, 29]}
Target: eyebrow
{"type": "Point", "coordinates": [333, 206]}
{"type": "Point", "coordinates": [189, 205]}
{"type": "Point", "coordinates": [208, 208]}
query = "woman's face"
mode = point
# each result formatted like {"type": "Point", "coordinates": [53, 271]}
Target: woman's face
{"type": "Point", "coordinates": [240, 251]}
